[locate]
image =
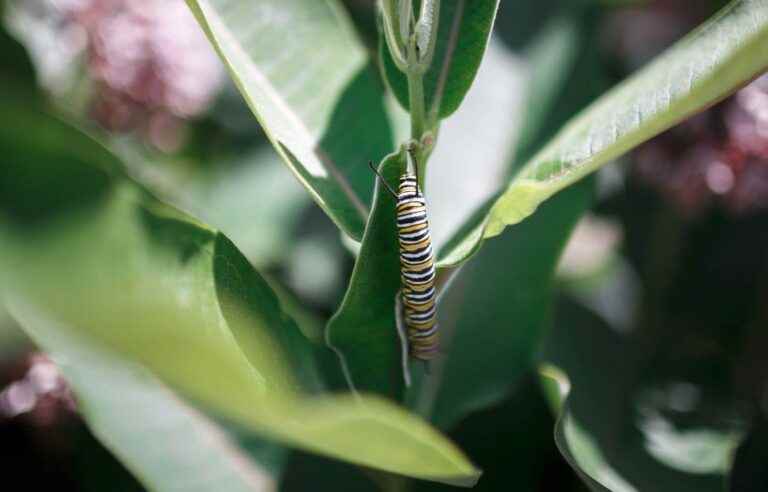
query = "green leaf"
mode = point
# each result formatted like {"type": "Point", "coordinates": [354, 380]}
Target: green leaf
{"type": "Point", "coordinates": [87, 253]}
{"type": "Point", "coordinates": [163, 441]}
{"type": "Point", "coordinates": [496, 311]}
{"type": "Point", "coordinates": [584, 456]}
{"type": "Point", "coordinates": [308, 80]}
{"type": "Point", "coordinates": [463, 32]}
{"type": "Point", "coordinates": [261, 223]}
{"type": "Point", "coordinates": [363, 331]}
{"type": "Point", "coordinates": [706, 66]}
{"type": "Point", "coordinates": [615, 427]}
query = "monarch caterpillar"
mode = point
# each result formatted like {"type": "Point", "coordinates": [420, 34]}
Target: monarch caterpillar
{"type": "Point", "coordinates": [417, 269]}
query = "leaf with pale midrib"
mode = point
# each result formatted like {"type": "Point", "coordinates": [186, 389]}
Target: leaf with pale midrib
{"type": "Point", "coordinates": [700, 70]}
{"type": "Point", "coordinates": [308, 80]}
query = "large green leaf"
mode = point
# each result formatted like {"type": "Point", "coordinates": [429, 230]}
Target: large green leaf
{"type": "Point", "coordinates": [307, 79]}
{"type": "Point", "coordinates": [616, 428]}
{"type": "Point", "coordinates": [463, 32]}
{"type": "Point", "coordinates": [87, 253]}
{"type": "Point", "coordinates": [363, 331]}
{"type": "Point", "coordinates": [707, 65]}
{"type": "Point", "coordinates": [166, 443]}
{"type": "Point", "coordinates": [496, 311]}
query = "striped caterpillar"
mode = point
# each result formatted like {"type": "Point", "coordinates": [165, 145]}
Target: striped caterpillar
{"type": "Point", "coordinates": [417, 268]}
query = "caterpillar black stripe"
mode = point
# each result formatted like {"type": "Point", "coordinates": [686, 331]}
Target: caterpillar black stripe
{"type": "Point", "coordinates": [417, 270]}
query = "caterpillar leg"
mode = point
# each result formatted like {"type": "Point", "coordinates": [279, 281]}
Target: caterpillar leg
{"type": "Point", "coordinates": [403, 333]}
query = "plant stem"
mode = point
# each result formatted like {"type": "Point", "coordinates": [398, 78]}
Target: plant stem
{"type": "Point", "coordinates": [418, 111]}
{"type": "Point", "coordinates": [418, 123]}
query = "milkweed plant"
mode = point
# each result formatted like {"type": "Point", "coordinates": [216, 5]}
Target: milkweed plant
{"type": "Point", "coordinates": [457, 345]}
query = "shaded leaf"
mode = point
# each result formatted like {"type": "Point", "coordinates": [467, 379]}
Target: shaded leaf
{"type": "Point", "coordinates": [363, 331]}
{"type": "Point", "coordinates": [615, 430]}
{"type": "Point", "coordinates": [254, 201]}
{"type": "Point", "coordinates": [513, 439]}
{"type": "Point", "coordinates": [502, 303]}
{"type": "Point", "coordinates": [305, 75]}
{"type": "Point", "coordinates": [585, 458]}
{"type": "Point", "coordinates": [707, 65]}
{"type": "Point", "coordinates": [463, 32]}
{"type": "Point", "coordinates": [116, 267]}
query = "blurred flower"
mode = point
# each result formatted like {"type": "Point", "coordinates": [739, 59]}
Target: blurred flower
{"type": "Point", "coordinates": [39, 393]}
{"type": "Point", "coordinates": [636, 34]}
{"type": "Point", "coordinates": [150, 62]}
{"type": "Point", "coordinates": [717, 157]}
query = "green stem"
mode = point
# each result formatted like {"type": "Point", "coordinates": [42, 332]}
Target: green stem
{"type": "Point", "coordinates": [418, 123]}
{"type": "Point", "coordinates": [417, 105]}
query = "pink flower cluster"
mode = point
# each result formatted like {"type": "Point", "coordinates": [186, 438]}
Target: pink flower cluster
{"type": "Point", "coordinates": [717, 157]}
{"type": "Point", "coordinates": [151, 62]}
{"type": "Point", "coordinates": [38, 392]}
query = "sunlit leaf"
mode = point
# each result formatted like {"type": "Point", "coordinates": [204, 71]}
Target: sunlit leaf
{"type": "Point", "coordinates": [307, 78]}
{"type": "Point", "coordinates": [704, 67]}
{"type": "Point", "coordinates": [165, 443]}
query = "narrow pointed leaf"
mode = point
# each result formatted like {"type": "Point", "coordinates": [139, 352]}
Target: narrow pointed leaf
{"type": "Point", "coordinates": [363, 331]}
{"type": "Point", "coordinates": [703, 68]}
{"type": "Point", "coordinates": [88, 254]}
{"type": "Point", "coordinates": [307, 79]}
{"type": "Point", "coordinates": [462, 36]}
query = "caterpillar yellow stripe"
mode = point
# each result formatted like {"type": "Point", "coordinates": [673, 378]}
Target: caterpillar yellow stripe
{"type": "Point", "coordinates": [417, 270]}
